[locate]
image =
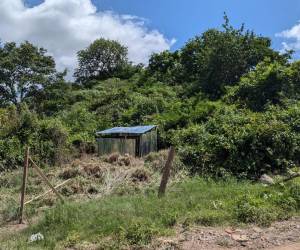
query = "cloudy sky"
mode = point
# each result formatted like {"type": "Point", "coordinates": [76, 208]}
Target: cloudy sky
{"type": "Point", "coordinates": [65, 26]}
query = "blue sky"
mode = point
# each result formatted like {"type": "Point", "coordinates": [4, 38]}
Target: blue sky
{"type": "Point", "coordinates": [183, 19]}
{"type": "Point", "coordinates": [64, 27]}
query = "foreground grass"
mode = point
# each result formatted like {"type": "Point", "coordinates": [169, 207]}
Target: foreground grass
{"type": "Point", "coordinates": [117, 221]}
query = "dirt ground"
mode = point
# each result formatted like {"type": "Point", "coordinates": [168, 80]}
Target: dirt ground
{"type": "Point", "coordinates": [283, 235]}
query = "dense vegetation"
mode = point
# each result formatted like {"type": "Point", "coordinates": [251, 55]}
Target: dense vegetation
{"type": "Point", "coordinates": [226, 100]}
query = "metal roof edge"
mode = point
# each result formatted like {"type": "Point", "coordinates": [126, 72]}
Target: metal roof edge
{"type": "Point", "coordinates": [134, 130]}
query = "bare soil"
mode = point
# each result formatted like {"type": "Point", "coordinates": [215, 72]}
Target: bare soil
{"type": "Point", "coordinates": [279, 236]}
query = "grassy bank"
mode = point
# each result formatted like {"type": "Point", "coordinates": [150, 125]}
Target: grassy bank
{"type": "Point", "coordinates": [116, 221]}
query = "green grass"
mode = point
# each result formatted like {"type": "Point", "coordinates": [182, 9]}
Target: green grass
{"type": "Point", "coordinates": [117, 221]}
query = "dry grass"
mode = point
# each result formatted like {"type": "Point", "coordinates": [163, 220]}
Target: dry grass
{"type": "Point", "coordinates": [92, 177]}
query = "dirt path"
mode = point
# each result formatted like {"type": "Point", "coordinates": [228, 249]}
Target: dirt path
{"type": "Point", "coordinates": [280, 236]}
{"type": "Point", "coordinates": [288, 247]}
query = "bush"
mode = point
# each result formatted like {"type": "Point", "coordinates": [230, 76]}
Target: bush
{"type": "Point", "coordinates": [50, 143]}
{"type": "Point", "coordinates": [16, 129]}
{"type": "Point", "coordinates": [269, 83]}
{"type": "Point", "coordinates": [138, 233]}
{"type": "Point", "coordinates": [273, 204]}
{"type": "Point", "coordinates": [294, 192]}
{"type": "Point", "coordinates": [241, 143]}
{"type": "Point", "coordinates": [252, 210]}
{"type": "Point", "coordinates": [47, 138]}
{"type": "Point", "coordinates": [11, 153]}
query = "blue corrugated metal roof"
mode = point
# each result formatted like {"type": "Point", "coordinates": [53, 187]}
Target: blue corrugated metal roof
{"type": "Point", "coordinates": [127, 130]}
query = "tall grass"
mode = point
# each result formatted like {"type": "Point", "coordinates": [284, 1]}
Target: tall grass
{"type": "Point", "coordinates": [116, 221]}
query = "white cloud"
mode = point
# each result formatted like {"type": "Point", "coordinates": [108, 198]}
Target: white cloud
{"type": "Point", "coordinates": [65, 26]}
{"type": "Point", "coordinates": [292, 37]}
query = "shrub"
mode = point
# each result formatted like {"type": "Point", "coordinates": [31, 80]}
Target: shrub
{"type": "Point", "coordinates": [240, 142]}
{"type": "Point", "coordinates": [81, 124]}
{"type": "Point", "coordinates": [11, 153]}
{"type": "Point", "coordinates": [269, 83]}
{"type": "Point", "coordinates": [295, 194]}
{"type": "Point", "coordinates": [253, 210]}
{"type": "Point", "coordinates": [16, 129]}
{"type": "Point", "coordinates": [50, 143]}
{"type": "Point", "coordinates": [47, 138]}
{"type": "Point", "coordinates": [265, 207]}
{"type": "Point", "coordinates": [138, 233]}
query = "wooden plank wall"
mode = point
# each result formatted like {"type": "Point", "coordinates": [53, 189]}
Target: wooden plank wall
{"type": "Point", "coordinates": [116, 145]}
{"type": "Point", "coordinates": [148, 142]}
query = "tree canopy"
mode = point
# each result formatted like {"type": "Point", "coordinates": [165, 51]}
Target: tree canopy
{"type": "Point", "coordinates": [215, 59]}
{"type": "Point", "coordinates": [269, 84]}
{"type": "Point", "coordinates": [24, 71]}
{"type": "Point", "coordinates": [101, 60]}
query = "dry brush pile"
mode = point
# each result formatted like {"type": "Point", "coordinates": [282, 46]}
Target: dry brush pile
{"type": "Point", "coordinates": [90, 177]}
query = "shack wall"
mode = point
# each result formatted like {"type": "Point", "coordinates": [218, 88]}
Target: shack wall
{"type": "Point", "coordinates": [108, 146]}
{"type": "Point", "coordinates": [148, 142]}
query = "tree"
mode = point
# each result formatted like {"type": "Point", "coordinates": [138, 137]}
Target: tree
{"type": "Point", "coordinates": [52, 98]}
{"type": "Point", "coordinates": [166, 67]}
{"type": "Point", "coordinates": [219, 58]}
{"type": "Point", "coordinates": [24, 71]}
{"type": "Point", "coordinates": [270, 83]}
{"type": "Point", "coordinates": [101, 60]}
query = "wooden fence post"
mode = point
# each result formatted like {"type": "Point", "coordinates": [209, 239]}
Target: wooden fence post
{"type": "Point", "coordinates": [23, 191]}
{"type": "Point", "coordinates": [166, 173]}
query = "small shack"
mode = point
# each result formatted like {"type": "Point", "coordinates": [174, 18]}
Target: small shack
{"type": "Point", "coordinates": [137, 141]}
